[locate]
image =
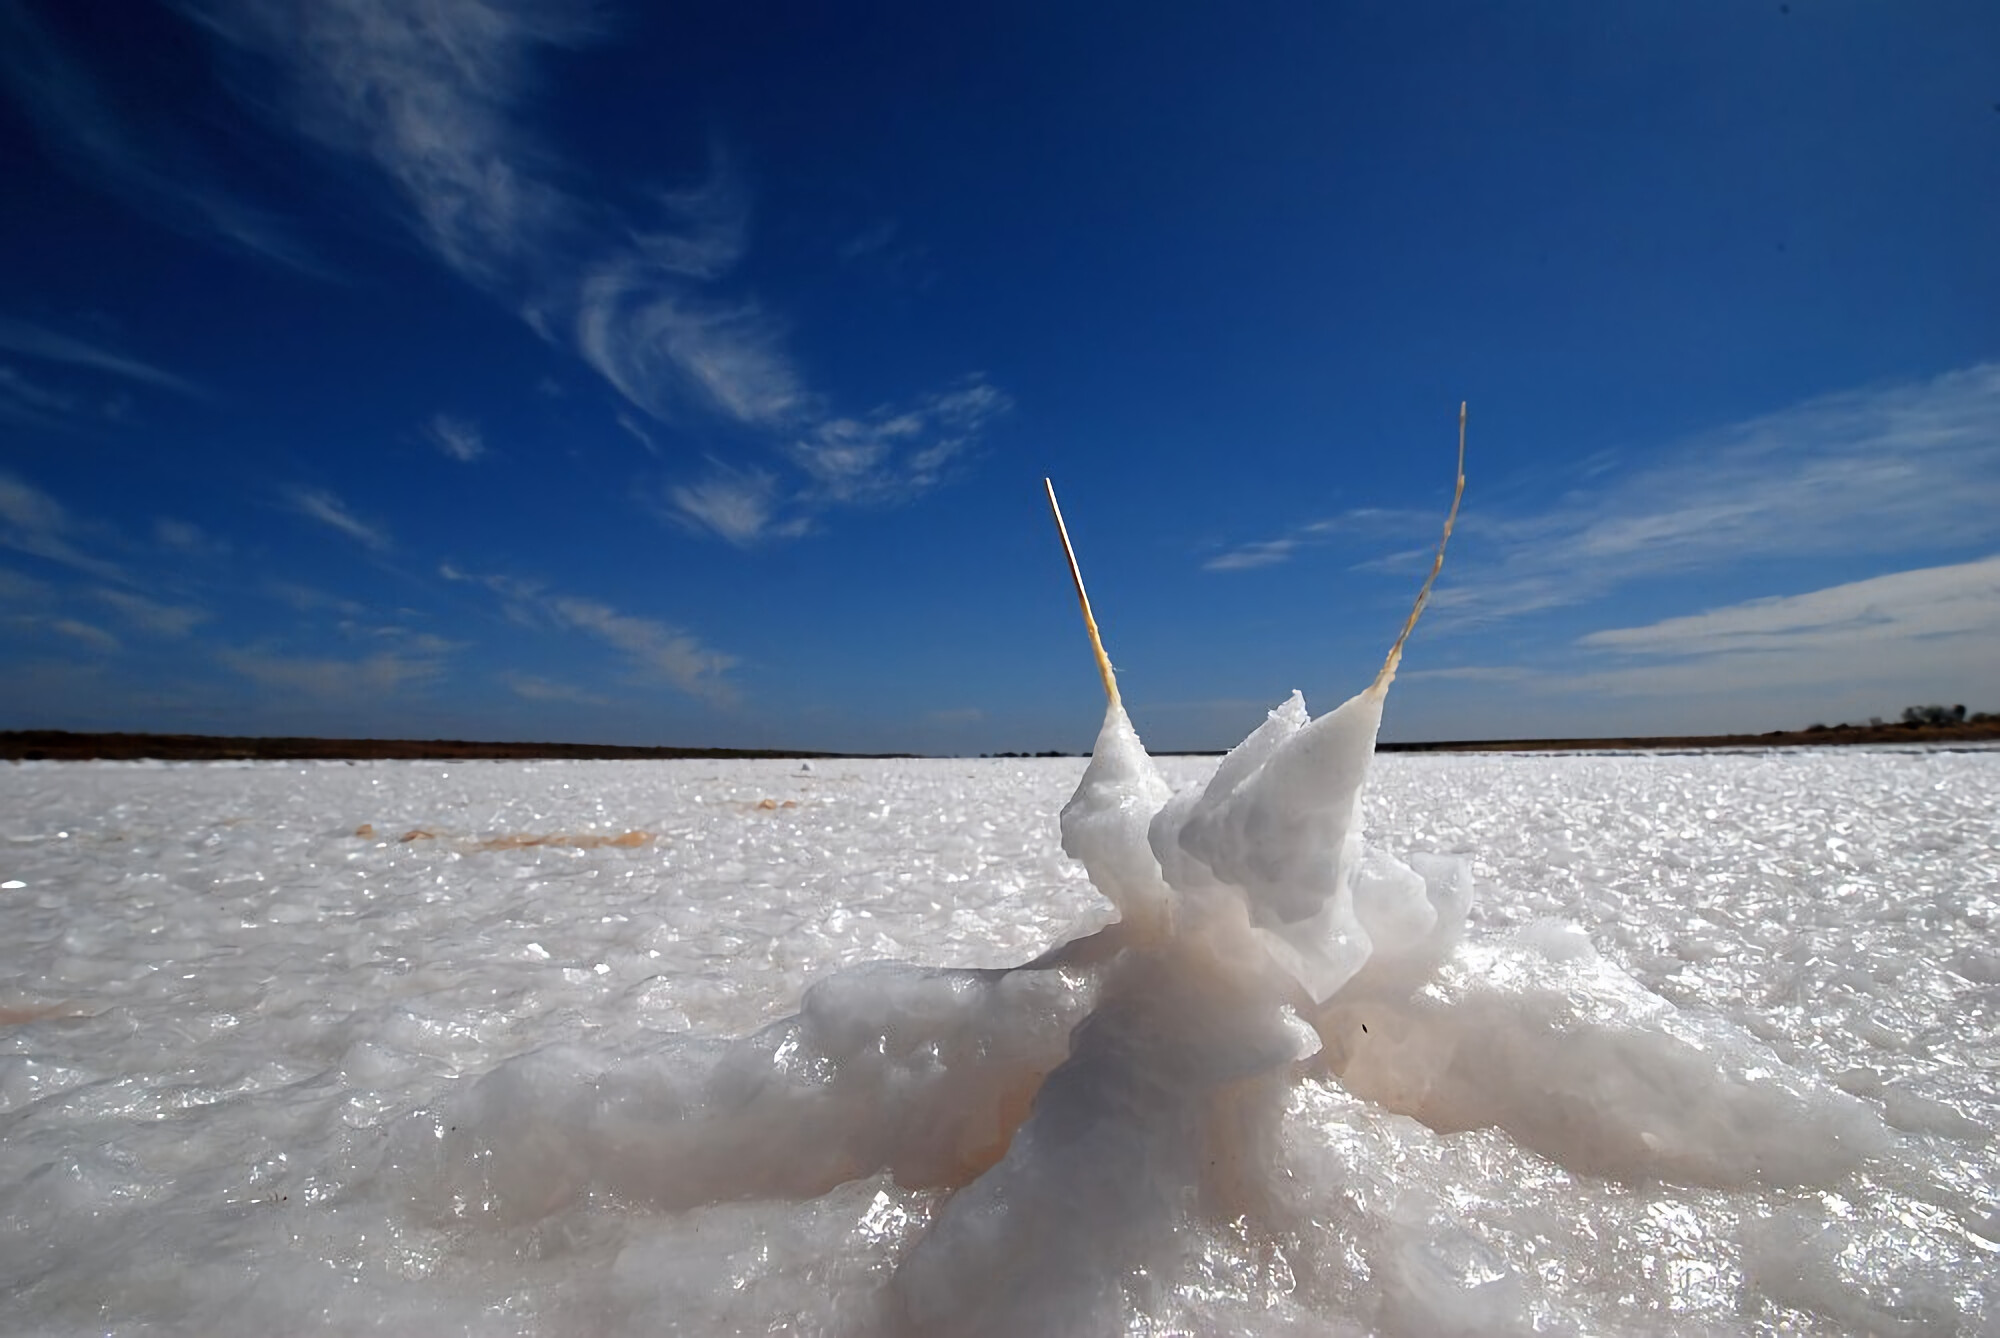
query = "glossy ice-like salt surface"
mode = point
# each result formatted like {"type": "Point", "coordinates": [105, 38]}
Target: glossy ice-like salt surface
{"type": "Point", "coordinates": [239, 1040]}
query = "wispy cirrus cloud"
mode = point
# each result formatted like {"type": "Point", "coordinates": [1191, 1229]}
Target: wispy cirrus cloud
{"type": "Point", "coordinates": [29, 400]}
{"type": "Point", "coordinates": [1886, 470]}
{"type": "Point", "coordinates": [332, 679]}
{"type": "Point", "coordinates": [16, 588]}
{"type": "Point", "coordinates": [663, 348]}
{"type": "Point", "coordinates": [433, 97]}
{"type": "Point", "coordinates": [309, 599]}
{"type": "Point", "coordinates": [35, 523]}
{"type": "Point", "coordinates": [329, 510]}
{"type": "Point", "coordinates": [885, 458]}
{"type": "Point", "coordinates": [647, 321]}
{"type": "Point", "coordinates": [186, 537]}
{"type": "Point", "coordinates": [737, 504]}
{"type": "Point", "coordinates": [34, 341]}
{"type": "Point", "coordinates": [152, 616]}
{"type": "Point", "coordinates": [30, 611]}
{"type": "Point", "coordinates": [896, 453]}
{"type": "Point", "coordinates": [639, 434]}
{"type": "Point", "coordinates": [667, 652]}
{"type": "Point", "coordinates": [537, 689]}
{"type": "Point", "coordinates": [1367, 523]}
{"type": "Point", "coordinates": [658, 651]}
{"type": "Point", "coordinates": [1247, 557]}
{"type": "Point", "coordinates": [128, 153]}
{"type": "Point", "coordinates": [458, 438]}
{"type": "Point", "coordinates": [89, 634]}
{"type": "Point", "coordinates": [1931, 625]}
{"type": "Point", "coordinates": [1854, 649]}
{"type": "Point", "coordinates": [425, 93]}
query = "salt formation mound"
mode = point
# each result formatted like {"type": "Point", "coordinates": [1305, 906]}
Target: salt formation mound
{"type": "Point", "coordinates": [1118, 1098]}
{"type": "Point", "coordinates": [1100, 1106]}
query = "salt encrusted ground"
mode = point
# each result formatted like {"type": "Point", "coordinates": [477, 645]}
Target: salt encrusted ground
{"type": "Point", "coordinates": [241, 1040]}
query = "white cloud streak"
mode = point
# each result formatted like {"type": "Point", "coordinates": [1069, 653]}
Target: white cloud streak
{"type": "Point", "coordinates": [1898, 469]}
{"type": "Point", "coordinates": [307, 599]}
{"type": "Point", "coordinates": [16, 588]}
{"type": "Point", "coordinates": [536, 689]}
{"type": "Point", "coordinates": [329, 510]}
{"type": "Point", "coordinates": [332, 680]}
{"type": "Point", "coordinates": [424, 91]}
{"type": "Point", "coordinates": [893, 455]}
{"type": "Point", "coordinates": [1847, 651]}
{"type": "Point", "coordinates": [130, 157]}
{"type": "Point", "coordinates": [89, 634]}
{"type": "Point", "coordinates": [35, 523]}
{"type": "Point", "coordinates": [27, 400]}
{"type": "Point", "coordinates": [1368, 522]}
{"type": "Point", "coordinates": [659, 651]}
{"type": "Point", "coordinates": [666, 652]}
{"type": "Point", "coordinates": [1931, 631]}
{"type": "Point", "coordinates": [455, 437]}
{"type": "Point", "coordinates": [736, 504]}
{"type": "Point", "coordinates": [644, 324]}
{"type": "Point", "coordinates": [35, 342]}
{"type": "Point", "coordinates": [151, 616]}
{"type": "Point", "coordinates": [430, 94]}
{"type": "Point", "coordinates": [182, 536]}
{"type": "Point", "coordinates": [639, 434]}
{"type": "Point", "coordinates": [886, 458]}
{"type": "Point", "coordinates": [1929, 601]}
{"type": "Point", "coordinates": [661, 347]}
{"type": "Point", "coordinates": [1248, 557]}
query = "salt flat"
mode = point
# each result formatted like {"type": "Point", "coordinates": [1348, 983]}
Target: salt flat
{"type": "Point", "coordinates": [262, 1074]}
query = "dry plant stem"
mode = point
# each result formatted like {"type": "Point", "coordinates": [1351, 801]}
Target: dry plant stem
{"type": "Point", "coordinates": [1104, 670]}
{"type": "Point", "coordinates": [1388, 672]}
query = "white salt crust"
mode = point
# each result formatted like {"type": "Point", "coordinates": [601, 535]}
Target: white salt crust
{"type": "Point", "coordinates": [1667, 1044]}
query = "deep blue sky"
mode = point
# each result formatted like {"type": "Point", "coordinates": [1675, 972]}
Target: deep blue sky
{"type": "Point", "coordinates": [687, 373]}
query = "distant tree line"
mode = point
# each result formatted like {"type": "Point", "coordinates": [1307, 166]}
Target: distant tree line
{"type": "Point", "coordinates": [1922, 717]}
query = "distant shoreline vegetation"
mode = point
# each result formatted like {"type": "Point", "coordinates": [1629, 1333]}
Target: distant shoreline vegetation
{"type": "Point", "coordinates": [1920, 724]}
{"type": "Point", "coordinates": [56, 745]}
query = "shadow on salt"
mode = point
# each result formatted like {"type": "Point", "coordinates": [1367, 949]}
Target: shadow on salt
{"type": "Point", "coordinates": [1163, 1118]}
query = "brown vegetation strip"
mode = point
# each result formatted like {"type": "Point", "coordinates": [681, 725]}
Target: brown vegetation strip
{"type": "Point", "coordinates": [520, 841]}
{"type": "Point", "coordinates": [585, 841]}
{"type": "Point", "coordinates": [1984, 732]}
{"type": "Point", "coordinates": [16, 1016]}
{"type": "Point", "coordinates": [58, 745]}
{"type": "Point", "coordinates": [35, 745]}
